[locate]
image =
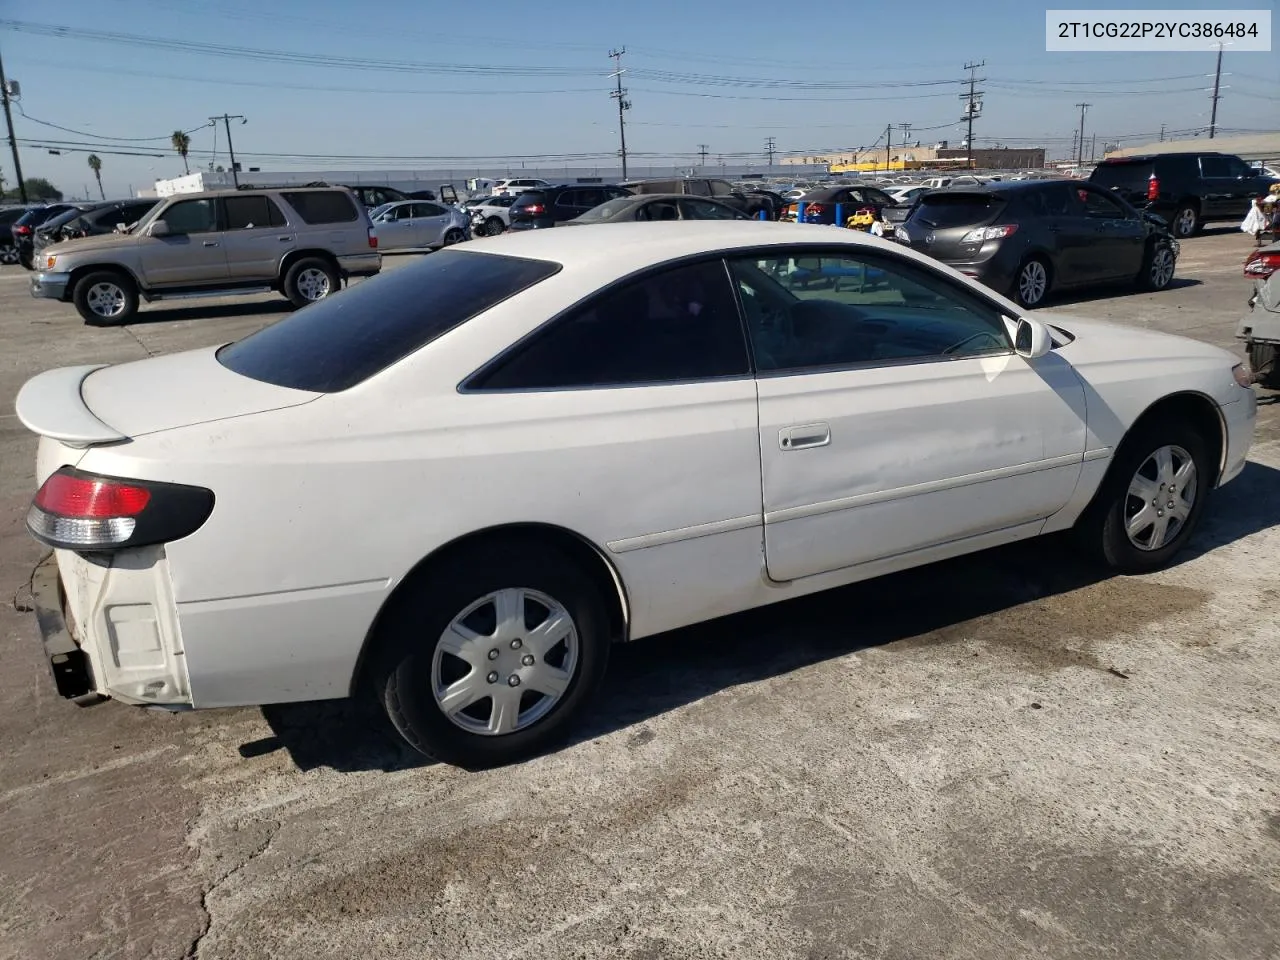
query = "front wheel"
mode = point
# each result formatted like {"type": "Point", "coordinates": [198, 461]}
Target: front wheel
{"type": "Point", "coordinates": [105, 298]}
{"type": "Point", "coordinates": [492, 658]}
{"type": "Point", "coordinates": [1157, 268]}
{"type": "Point", "coordinates": [1152, 499]}
{"type": "Point", "coordinates": [309, 281]}
{"type": "Point", "coordinates": [1031, 285]}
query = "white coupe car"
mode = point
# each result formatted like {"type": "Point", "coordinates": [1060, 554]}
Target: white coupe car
{"type": "Point", "coordinates": [456, 484]}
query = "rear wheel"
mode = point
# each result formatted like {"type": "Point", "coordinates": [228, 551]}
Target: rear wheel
{"type": "Point", "coordinates": [105, 297]}
{"type": "Point", "coordinates": [1262, 361]}
{"type": "Point", "coordinates": [491, 658]}
{"type": "Point", "coordinates": [1152, 499]}
{"type": "Point", "coordinates": [494, 226]}
{"type": "Point", "coordinates": [310, 280]}
{"type": "Point", "coordinates": [1031, 285]}
{"type": "Point", "coordinates": [8, 254]}
{"type": "Point", "coordinates": [452, 236]}
{"type": "Point", "coordinates": [1157, 268]}
{"type": "Point", "coordinates": [1186, 221]}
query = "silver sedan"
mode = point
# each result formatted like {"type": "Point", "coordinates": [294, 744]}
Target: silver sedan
{"type": "Point", "coordinates": [418, 225]}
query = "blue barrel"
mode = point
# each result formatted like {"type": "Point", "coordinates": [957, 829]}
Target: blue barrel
{"type": "Point", "coordinates": [839, 214]}
{"type": "Point", "coordinates": [800, 212]}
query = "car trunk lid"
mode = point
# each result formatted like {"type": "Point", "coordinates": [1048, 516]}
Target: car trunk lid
{"type": "Point", "coordinates": [88, 405]}
{"type": "Point", "coordinates": [941, 220]}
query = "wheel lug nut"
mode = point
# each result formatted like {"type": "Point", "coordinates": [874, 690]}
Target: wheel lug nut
{"type": "Point", "coordinates": [527, 659]}
{"type": "Point", "coordinates": [516, 644]}
{"type": "Point", "coordinates": [493, 676]}
{"type": "Point", "coordinates": [493, 654]}
{"type": "Point", "coordinates": [513, 681]}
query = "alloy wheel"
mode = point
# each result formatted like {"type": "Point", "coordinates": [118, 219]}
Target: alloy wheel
{"type": "Point", "coordinates": [106, 300]}
{"type": "Point", "coordinates": [505, 661]}
{"type": "Point", "coordinates": [1162, 266]}
{"type": "Point", "coordinates": [1186, 222]}
{"type": "Point", "coordinates": [1033, 281]}
{"type": "Point", "coordinates": [1160, 498]}
{"type": "Point", "coordinates": [314, 284]}
{"type": "Point", "coordinates": [8, 254]}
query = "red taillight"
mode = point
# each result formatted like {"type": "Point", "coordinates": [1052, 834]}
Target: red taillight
{"type": "Point", "coordinates": [815, 208]}
{"type": "Point", "coordinates": [1153, 187]}
{"type": "Point", "coordinates": [373, 239]}
{"type": "Point", "coordinates": [1261, 265]}
{"type": "Point", "coordinates": [82, 511]}
{"type": "Point", "coordinates": [72, 496]}
{"type": "Point", "coordinates": [22, 229]}
{"type": "Point", "coordinates": [535, 208]}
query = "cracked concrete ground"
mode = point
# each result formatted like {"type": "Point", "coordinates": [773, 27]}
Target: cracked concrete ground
{"type": "Point", "coordinates": [1003, 756]}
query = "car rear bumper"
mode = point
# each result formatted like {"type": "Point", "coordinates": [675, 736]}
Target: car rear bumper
{"type": "Point", "coordinates": [360, 264]}
{"type": "Point", "coordinates": [51, 286]}
{"type": "Point", "coordinates": [72, 673]}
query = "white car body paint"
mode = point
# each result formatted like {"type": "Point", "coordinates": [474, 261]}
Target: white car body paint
{"type": "Point", "coordinates": [324, 503]}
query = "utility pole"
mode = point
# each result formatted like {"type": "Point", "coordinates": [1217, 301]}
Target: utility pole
{"type": "Point", "coordinates": [13, 144]}
{"type": "Point", "coordinates": [1217, 79]}
{"type": "Point", "coordinates": [906, 133]}
{"type": "Point", "coordinates": [1162, 126]}
{"type": "Point", "coordinates": [972, 105]}
{"type": "Point", "coordinates": [888, 143]}
{"type": "Point", "coordinates": [702, 154]}
{"type": "Point", "coordinates": [770, 147]}
{"type": "Point", "coordinates": [1080, 143]}
{"type": "Point", "coordinates": [226, 119]}
{"type": "Point", "coordinates": [623, 104]}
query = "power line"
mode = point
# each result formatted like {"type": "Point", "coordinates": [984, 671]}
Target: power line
{"type": "Point", "coordinates": [98, 136]}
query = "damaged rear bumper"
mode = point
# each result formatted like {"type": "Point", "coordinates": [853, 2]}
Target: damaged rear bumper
{"type": "Point", "coordinates": [72, 672]}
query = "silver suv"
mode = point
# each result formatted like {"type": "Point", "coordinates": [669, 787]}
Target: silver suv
{"type": "Point", "coordinates": [303, 242]}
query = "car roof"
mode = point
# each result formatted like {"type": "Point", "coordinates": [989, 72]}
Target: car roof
{"type": "Point", "coordinates": [1148, 157]}
{"type": "Point", "coordinates": [634, 246]}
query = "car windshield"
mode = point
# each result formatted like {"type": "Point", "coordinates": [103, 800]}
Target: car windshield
{"type": "Point", "coordinates": [346, 338]}
{"type": "Point", "coordinates": [606, 210]}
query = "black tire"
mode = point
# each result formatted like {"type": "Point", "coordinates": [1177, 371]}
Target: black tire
{"type": "Point", "coordinates": [1186, 221]}
{"type": "Point", "coordinates": [494, 226]}
{"type": "Point", "coordinates": [1158, 267]}
{"type": "Point", "coordinates": [1263, 363]}
{"type": "Point", "coordinates": [1024, 293]}
{"type": "Point", "coordinates": [93, 293]}
{"type": "Point", "coordinates": [304, 281]}
{"type": "Point", "coordinates": [421, 612]}
{"type": "Point", "coordinates": [452, 236]}
{"type": "Point", "coordinates": [8, 253]}
{"type": "Point", "coordinates": [1102, 530]}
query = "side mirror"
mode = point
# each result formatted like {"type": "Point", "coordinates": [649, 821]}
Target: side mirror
{"type": "Point", "coordinates": [1032, 339]}
{"type": "Point", "coordinates": [160, 229]}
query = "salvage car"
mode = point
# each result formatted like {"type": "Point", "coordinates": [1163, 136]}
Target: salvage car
{"type": "Point", "coordinates": [454, 486]}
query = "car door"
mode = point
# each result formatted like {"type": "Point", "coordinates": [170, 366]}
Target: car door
{"type": "Point", "coordinates": [894, 415]}
{"type": "Point", "coordinates": [659, 365]}
{"type": "Point", "coordinates": [396, 229]}
{"type": "Point", "coordinates": [1119, 238]}
{"type": "Point", "coordinates": [1221, 189]}
{"type": "Point", "coordinates": [192, 252]}
{"type": "Point", "coordinates": [255, 237]}
{"type": "Point", "coordinates": [1071, 232]}
{"type": "Point", "coordinates": [429, 223]}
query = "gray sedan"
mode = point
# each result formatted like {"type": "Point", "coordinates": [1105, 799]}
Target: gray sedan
{"type": "Point", "coordinates": [419, 224]}
{"type": "Point", "coordinates": [662, 206]}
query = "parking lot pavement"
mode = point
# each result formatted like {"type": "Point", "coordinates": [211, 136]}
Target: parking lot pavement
{"type": "Point", "coordinates": [1004, 756]}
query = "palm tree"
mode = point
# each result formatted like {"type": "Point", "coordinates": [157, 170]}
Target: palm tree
{"type": "Point", "coordinates": [181, 143]}
{"type": "Point", "coordinates": [95, 164]}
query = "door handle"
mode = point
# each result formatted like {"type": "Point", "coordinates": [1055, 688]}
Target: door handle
{"type": "Point", "coordinates": [284, 239]}
{"type": "Point", "coordinates": [805, 435]}
{"type": "Point", "coordinates": [211, 243]}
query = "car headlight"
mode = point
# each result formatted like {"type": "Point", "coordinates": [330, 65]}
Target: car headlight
{"type": "Point", "coordinates": [1242, 374]}
{"type": "Point", "coordinates": [50, 260]}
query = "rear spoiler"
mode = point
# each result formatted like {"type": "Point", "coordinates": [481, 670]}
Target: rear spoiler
{"type": "Point", "coordinates": [51, 405]}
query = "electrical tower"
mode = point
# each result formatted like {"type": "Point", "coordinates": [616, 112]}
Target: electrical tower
{"type": "Point", "coordinates": [1080, 142]}
{"type": "Point", "coordinates": [702, 154]}
{"type": "Point", "coordinates": [770, 147]}
{"type": "Point", "coordinates": [972, 105]}
{"type": "Point", "coordinates": [624, 104]}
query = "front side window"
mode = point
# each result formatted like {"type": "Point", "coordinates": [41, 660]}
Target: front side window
{"type": "Point", "coordinates": [812, 310]}
{"type": "Point", "coordinates": [678, 324]}
{"type": "Point", "coordinates": [658, 210]}
{"type": "Point", "coordinates": [252, 212]}
{"type": "Point", "coordinates": [191, 216]}
{"type": "Point", "coordinates": [1100, 206]}
{"type": "Point", "coordinates": [1215, 167]}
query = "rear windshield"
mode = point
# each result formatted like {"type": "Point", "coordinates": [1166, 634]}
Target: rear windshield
{"type": "Point", "coordinates": [955, 209]}
{"type": "Point", "coordinates": [1129, 175]}
{"type": "Point", "coordinates": [322, 206]}
{"type": "Point", "coordinates": [528, 199]}
{"type": "Point", "coordinates": [340, 341]}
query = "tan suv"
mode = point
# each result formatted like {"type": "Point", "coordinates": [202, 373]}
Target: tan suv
{"type": "Point", "coordinates": [303, 242]}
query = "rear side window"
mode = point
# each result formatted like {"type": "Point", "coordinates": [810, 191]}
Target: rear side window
{"type": "Point", "coordinates": [944, 210]}
{"type": "Point", "coordinates": [252, 212]}
{"type": "Point", "coordinates": [322, 206]}
{"type": "Point", "coordinates": [344, 339]}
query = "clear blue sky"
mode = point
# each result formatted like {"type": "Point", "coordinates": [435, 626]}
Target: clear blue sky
{"type": "Point", "coordinates": [427, 79]}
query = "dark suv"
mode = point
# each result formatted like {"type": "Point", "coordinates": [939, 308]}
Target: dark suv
{"type": "Point", "coordinates": [1187, 189]}
{"type": "Point", "coordinates": [1030, 237]}
{"type": "Point", "coordinates": [548, 206]}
